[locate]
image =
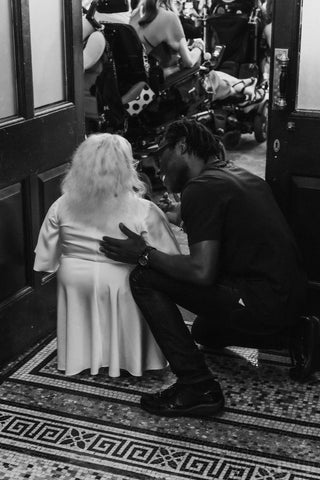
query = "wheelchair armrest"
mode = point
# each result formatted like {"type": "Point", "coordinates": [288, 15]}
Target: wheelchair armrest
{"type": "Point", "coordinates": [177, 77]}
{"type": "Point", "coordinates": [232, 99]}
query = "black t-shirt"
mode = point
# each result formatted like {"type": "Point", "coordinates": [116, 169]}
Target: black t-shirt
{"type": "Point", "coordinates": [258, 254]}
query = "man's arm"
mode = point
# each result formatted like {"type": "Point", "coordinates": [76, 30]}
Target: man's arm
{"type": "Point", "coordinates": [199, 267]}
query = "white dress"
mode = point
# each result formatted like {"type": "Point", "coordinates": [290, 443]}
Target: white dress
{"type": "Point", "coordinates": [98, 321]}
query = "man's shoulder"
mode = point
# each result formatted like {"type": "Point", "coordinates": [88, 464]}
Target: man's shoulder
{"type": "Point", "coordinates": [211, 177]}
{"type": "Point", "coordinates": [200, 189]}
{"type": "Point", "coordinates": [222, 183]}
{"type": "Point", "coordinates": [225, 175]}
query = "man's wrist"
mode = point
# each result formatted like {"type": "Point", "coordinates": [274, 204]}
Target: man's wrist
{"type": "Point", "coordinates": [144, 258]}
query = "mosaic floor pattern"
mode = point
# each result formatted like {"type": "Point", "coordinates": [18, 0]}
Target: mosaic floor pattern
{"type": "Point", "coordinates": [91, 428]}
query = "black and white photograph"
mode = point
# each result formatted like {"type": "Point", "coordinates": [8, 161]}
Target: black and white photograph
{"type": "Point", "coordinates": [159, 240]}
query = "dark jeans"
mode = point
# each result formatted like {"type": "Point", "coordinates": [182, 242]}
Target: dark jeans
{"type": "Point", "coordinates": [222, 317]}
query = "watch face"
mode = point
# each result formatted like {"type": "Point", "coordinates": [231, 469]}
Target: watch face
{"type": "Point", "coordinates": [143, 261]}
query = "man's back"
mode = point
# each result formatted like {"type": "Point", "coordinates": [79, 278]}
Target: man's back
{"type": "Point", "coordinates": [258, 253]}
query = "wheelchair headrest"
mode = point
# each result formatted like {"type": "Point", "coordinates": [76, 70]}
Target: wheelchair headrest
{"type": "Point", "coordinates": [123, 29]}
{"type": "Point", "coordinates": [123, 40]}
{"type": "Point", "coordinates": [113, 6]}
{"type": "Point", "coordinates": [127, 54]}
{"type": "Point", "coordinates": [228, 21]}
{"type": "Point", "coordinates": [238, 7]}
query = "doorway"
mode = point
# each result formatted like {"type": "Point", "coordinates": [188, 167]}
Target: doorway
{"type": "Point", "coordinates": [41, 122]}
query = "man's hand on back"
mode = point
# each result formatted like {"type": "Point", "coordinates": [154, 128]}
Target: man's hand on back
{"type": "Point", "coordinates": [125, 251]}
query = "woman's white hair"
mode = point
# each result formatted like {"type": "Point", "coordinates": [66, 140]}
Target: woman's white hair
{"type": "Point", "coordinates": [102, 167]}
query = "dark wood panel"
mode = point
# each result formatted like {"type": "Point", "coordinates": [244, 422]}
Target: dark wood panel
{"type": "Point", "coordinates": [49, 187]}
{"type": "Point", "coordinates": [303, 159]}
{"type": "Point", "coordinates": [305, 221]}
{"type": "Point", "coordinates": [35, 146]}
{"type": "Point", "coordinates": [29, 319]}
{"type": "Point", "coordinates": [21, 18]}
{"type": "Point", "coordinates": [12, 240]}
{"type": "Point", "coordinates": [293, 160]}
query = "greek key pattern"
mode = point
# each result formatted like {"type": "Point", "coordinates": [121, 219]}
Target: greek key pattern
{"type": "Point", "coordinates": [132, 450]}
{"type": "Point", "coordinates": [39, 371]}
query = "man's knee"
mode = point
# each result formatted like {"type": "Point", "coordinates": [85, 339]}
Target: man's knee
{"type": "Point", "coordinates": [200, 330]}
{"type": "Point", "coordinates": [139, 278]}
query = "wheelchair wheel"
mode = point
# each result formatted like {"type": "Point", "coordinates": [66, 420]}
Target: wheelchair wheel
{"type": "Point", "coordinates": [260, 124]}
{"type": "Point", "coordinates": [231, 139]}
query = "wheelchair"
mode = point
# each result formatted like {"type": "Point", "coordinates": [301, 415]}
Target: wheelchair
{"type": "Point", "coordinates": [236, 28]}
{"type": "Point", "coordinates": [133, 98]}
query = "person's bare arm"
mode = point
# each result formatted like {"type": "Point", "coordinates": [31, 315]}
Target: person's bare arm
{"type": "Point", "coordinates": [189, 58]}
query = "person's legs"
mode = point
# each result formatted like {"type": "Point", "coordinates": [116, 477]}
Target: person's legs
{"type": "Point", "coordinates": [241, 330]}
{"type": "Point", "coordinates": [158, 296]}
{"type": "Point", "coordinates": [196, 393]}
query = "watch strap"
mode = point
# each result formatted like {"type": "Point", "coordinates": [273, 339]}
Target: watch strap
{"type": "Point", "coordinates": [143, 260]}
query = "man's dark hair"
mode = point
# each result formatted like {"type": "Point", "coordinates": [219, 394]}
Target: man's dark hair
{"type": "Point", "coordinates": [199, 140]}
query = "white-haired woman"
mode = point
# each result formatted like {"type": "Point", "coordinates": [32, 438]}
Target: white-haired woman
{"type": "Point", "coordinates": [98, 322]}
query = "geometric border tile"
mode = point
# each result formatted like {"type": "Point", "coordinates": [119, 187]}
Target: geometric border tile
{"type": "Point", "coordinates": [104, 447]}
{"type": "Point", "coordinates": [30, 373]}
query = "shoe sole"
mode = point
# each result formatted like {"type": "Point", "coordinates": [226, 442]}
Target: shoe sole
{"type": "Point", "coordinates": [196, 411]}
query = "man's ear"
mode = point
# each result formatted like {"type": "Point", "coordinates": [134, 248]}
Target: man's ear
{"type": "Point", "coordinates": [182, 145]}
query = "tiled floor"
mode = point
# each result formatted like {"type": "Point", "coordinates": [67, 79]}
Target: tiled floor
{"type": "Point", "coordinates": [84, 427]}
{"type": "Point", "coordinates": [92, 428]}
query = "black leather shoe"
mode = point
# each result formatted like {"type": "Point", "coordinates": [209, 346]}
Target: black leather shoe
{"type": "Point", "coordinates": [305, 349]}
{"type": "Point", "coordinates": [197, 400]}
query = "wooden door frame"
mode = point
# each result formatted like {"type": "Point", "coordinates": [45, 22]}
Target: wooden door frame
{"type": "Point", "coordinates": [289, 171]}
{"type": "Point", "coordinates": [25, 158]}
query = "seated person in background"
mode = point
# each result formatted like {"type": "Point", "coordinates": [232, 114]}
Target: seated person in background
{"type": "Point", "coordinates": [94, 44]}
{"type": "Point", "coordinates": [190, 27]}
{"type": "Point", "coordinates": [267, 33]}
{"type": "Point", "coordinates": [93, 50]}
{"type": "Point", "coordinates": [98, 322]}
{"type": "Point", "coordinates": [205, 7]}
{"type": "Point", "coordinates": [240, 7]}
{"type": "Point", "coordinates": [159, 29]}
{"type": "Point", "coordinates": [113, 11]}
{"type": "Point", "coordinates": [267, 11]}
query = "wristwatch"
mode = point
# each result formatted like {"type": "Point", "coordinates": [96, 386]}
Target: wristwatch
{"type": "Point", "coordinates": [143, 260]}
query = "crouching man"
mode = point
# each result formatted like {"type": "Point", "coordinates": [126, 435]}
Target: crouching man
{"type": "Point", "coordinates": [243, 276]}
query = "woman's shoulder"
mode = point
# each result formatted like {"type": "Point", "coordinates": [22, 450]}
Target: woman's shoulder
{"type": "Point", "coordinates": [140, 203]}
{"type": "Point", "coordinates": [56, 205]}
{"type": "Point", "coordinates": [170, 23]}
{"type": "Point", "coordinates": [146, 208]}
